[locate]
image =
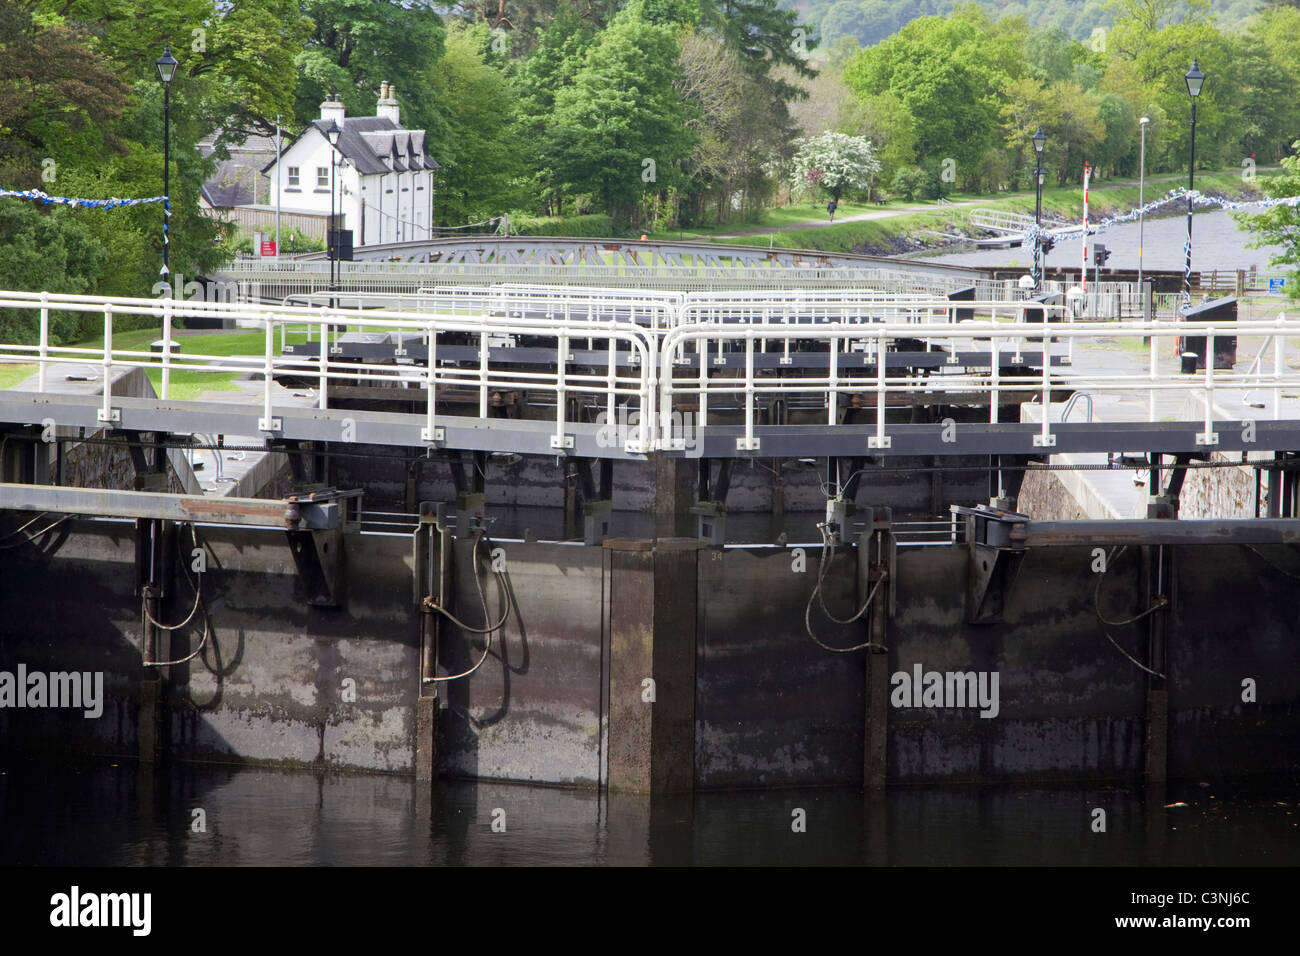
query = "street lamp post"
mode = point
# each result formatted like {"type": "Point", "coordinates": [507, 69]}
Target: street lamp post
{"type": "Point", "coordinates": [1195, 80]}
{"type": "Point", "coordinates": [1142, 168]}
{"type": "Point", "coordinates": [1039, 141]}
{"type": "Point", "coordinates": [332, 133]}
{"type": "Point", "coordinates": [166, 70]}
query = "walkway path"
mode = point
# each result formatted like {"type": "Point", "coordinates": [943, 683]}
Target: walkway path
{"type": "Point", "coordinates": [888, 213]}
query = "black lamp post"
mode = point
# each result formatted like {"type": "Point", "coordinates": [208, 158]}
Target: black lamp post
{"type": "Point", "coordinates": [332, 133]}
{"type": "Point", "coordinates": [1039, 141]}
{"type": "Point", "coordinates": [1195, 80]}
{"type": "Point", "coordinates": [166, 70]}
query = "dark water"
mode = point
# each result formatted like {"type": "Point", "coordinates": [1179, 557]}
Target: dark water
{"type": "Point", "coordinates": [1217, 243]}
{"type": "Point", "coordinates": [109, 813]}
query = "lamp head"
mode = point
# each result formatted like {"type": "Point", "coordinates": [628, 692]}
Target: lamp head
{"type": "Point", "coordinates": [1195, 80]}
{"type": "Point", "coordinates": [166, 65]}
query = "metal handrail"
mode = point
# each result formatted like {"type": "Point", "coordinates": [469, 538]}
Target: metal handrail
{"type": "Point", "coordinates": [856, 356]}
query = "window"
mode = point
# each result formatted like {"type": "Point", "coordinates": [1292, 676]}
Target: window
{"type": "Point", "coordinates": [293, 177]}
{"type": "Point", "coordinates": [322, 177]}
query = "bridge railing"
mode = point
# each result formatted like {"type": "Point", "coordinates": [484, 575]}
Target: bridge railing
{"type": "Point", "coordinates": [704, 362]}
{"type": "Point", "coordinates": [858, 368]}
{"type": "Point", "coordinates": [621, 380]}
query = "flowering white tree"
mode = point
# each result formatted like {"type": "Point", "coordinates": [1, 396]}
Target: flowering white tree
{"type": "Point", "coordinates": [834, 162]}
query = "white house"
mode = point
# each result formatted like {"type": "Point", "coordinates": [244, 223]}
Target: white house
{"type": "Point", "coordinates": [381, 176]}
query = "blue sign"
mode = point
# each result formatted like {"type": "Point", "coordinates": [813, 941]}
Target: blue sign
{"type": "Point", "coordinates": [1275, 286]}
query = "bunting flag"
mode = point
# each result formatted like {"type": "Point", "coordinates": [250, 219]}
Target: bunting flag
{"type": "Point", "coordinates": [114, 203]}
{"type": "Point", "coordinates": [167, 241]}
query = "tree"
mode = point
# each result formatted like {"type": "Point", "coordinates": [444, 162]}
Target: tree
{"type": "Point", "coordinates": [1280, 225]}
{"type": "Point", "coordinates": [476, 103]}
{"type": "Point", "coordinates": [945, 72]}
{"type": "Point", "coordinates": [355, 45]}
{"type": "Point", "coordinates": [620, 128]}
{"type": "Point", "coordinates": [558, 56]}
{"type": "Point", "coordinates": [57, 94]}
{"type": "Point", "coordinates": [835, 163]}
{"type": "Point", "coordinates": [48, 250]}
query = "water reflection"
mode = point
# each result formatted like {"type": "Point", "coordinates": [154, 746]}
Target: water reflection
{"type": "Point", "coordinates": [1217, 243]}
{"type": "Point", "coordinates": [113, 814]}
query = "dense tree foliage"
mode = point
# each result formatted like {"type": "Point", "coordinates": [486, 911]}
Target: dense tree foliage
{"type": "Point", "coordinates": [643, 113]}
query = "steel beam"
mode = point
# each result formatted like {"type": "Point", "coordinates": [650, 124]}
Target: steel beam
{"type": "Point", "coordinates": [286, 515]}
{"type": "Point", "coordinates": [525, 436]}
{"type": "Point", "coordinates": [1157, 531]}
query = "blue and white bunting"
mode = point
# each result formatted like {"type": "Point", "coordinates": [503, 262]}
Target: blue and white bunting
{"type": "Point", "coordinates": [115, 203]}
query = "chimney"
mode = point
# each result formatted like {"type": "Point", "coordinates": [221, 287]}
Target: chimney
{"type": "Point", "coordinates": [387, 105]}
{"type": "Point", "coordinates": [332, 109]}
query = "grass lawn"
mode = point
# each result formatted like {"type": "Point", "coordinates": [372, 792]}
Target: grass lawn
{"type": "Point", "coordinates": [11, 375]}
{"type": "Point", "coordinates": [185, 383]}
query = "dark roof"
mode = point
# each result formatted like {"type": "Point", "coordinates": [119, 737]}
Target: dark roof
{"type": "Point", "coordinates": [367, 140]}
{"type": "Point", "coordinates": [232, 183]}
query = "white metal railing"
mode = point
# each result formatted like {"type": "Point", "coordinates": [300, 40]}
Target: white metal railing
{"type": "Point", "coordinates": [644, 366]}
{"type": "Point", "coordinates": [867, 378]}
{"type": "Point", "coordinates": [619, 382]}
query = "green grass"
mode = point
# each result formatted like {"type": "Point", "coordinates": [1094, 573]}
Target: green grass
{"type": "Point", "coordinates": [185, 383]}
{"type": "Point", "coordinates": [11, 375]}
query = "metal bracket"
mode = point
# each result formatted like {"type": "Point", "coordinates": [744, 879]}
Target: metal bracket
{"type": "Point", "coordinates": [270, 424]}
{"type": "Point", "coordinates": [879, 521]}
{"type": "Point", "coordinates": [114, 415]}
{"type": "Point", "coordinates": [995, 540]}
{"type": "Point", "coordinates": [439, 435]}
{"type": "Point", "coordinates": [596, 516]}
{"type": "Point", "coordinates": [319, 558]}
{"type": "Point", "coordinates": [711, 522]}
{"type": "Point", "coordinates": [562, 443]}
{"type": "Point", "coordinates": [318, 551]}
{"type": "Point", "coordinates": [747, 444]}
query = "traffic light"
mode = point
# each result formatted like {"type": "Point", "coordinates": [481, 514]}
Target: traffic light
{"type": "Point", "coordinates": [1100, 254]}
{"type": "Point", "coordinates": [1047, 244]}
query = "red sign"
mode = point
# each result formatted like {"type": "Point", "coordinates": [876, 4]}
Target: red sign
{"type": "Point", "coordinates": [268, 247]}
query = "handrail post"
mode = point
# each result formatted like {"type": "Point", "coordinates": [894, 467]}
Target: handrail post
{"type": "Point", "coordinates": [561, 391]}
{"type": "Point", "coordinates": [879, 439]}
{"type": "Point", "coordinates": [167, 349]}
{"type": "Point", "coordinates": [832, 399]}
{"type": "Point", "coordinates": [1153, 375]}
{"type": "Point", "coordinates": [430, 375]}
{"type": "Point", "coordinates": [1208, 437]}
{"type": "Point", "coordinates": [323, 401]}
{"type": "Point", "coordinates": [45, 340]}
{"type": "Point", "coordinates": [1279, 361]}
{"type": "Point", "coordinates": [483, 375]}
{"type": "Point", "coordinates": [750, 443]}
{"type": "Point", "coordinates": [267, 424]}
{"type": "Point", "coordinates": [1045, 439]}
{"type": "Point", "coordinates": [106, 412]}
{"type": "Point", "coordinates": [995, 376]}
